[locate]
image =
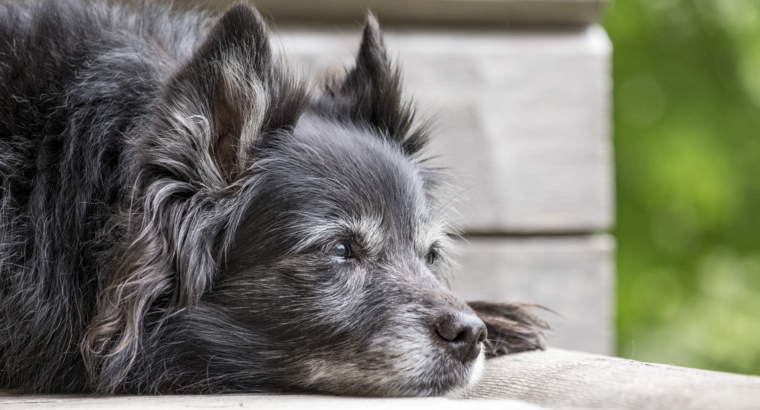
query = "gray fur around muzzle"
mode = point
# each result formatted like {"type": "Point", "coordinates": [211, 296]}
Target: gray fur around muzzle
{"type": "Point", "coordinates": [419, 341]}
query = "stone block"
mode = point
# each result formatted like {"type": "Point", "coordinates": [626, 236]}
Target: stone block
{"type": "Point", "coordinates": [573, 276]}
{"type": "Point", "coordinates": [522, 118]}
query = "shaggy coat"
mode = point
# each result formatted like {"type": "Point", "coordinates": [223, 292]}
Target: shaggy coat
{"type": "Point", "coordinates": [178, 215]}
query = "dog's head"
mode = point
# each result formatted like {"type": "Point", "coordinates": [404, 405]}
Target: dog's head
{"type": "Point", "coordinates": [342, 249]}
{"type": "Point", "coordinates": [277, 241]}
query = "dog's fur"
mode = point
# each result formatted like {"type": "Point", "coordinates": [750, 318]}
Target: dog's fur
{"type": "Point", "coordinates": [170, 204]}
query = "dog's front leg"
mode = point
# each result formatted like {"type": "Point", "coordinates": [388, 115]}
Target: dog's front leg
{"type": "Point", "coordinates": [512, 327]}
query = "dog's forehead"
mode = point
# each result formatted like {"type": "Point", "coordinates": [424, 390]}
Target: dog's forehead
{"type": "Point", "coordinates": [357, 177]}
{"type": "Point", "coordinates": [356, 166]}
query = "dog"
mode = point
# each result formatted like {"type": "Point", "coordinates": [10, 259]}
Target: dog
{"type": "Point", "coordinates": [179, 214]}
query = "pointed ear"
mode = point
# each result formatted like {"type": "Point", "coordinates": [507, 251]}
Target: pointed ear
{"type": "Point", "coordinates": [231, 93]}
{"type": "Point", "coordinates": [218, 106]}
{"type": "Point", "coordinates": [371, 93]}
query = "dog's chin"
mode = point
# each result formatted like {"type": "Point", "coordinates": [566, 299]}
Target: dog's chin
{"type": "Point", "coordinates": [429, 378]}
{"type": "Point", "coordinates": [476, 370]}
{"type": "Point", "coordinates": [452, 380]}
{"type": "Point", "coordinates": [439, 377]}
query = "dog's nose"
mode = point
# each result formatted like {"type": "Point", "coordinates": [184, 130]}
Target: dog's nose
{"type": "Point", "coordinates": [462, 334]}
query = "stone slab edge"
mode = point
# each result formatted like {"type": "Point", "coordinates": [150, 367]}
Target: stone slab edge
{"type": "Point", "coordinates": [257, 401]}
{"type": "Point", "coordinates": [509, 13]}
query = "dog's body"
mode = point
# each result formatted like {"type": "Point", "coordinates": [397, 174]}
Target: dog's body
{"type": "Point", "coordinates": [178, 216]}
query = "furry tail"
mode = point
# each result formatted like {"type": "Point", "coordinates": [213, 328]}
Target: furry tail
{"type": "Point", "coordinates": [512, 327]}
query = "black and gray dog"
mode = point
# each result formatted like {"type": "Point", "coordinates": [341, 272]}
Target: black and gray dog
{"type": "Point", "coordinates": [178, 215]}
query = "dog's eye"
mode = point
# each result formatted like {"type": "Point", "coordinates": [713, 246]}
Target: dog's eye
{"type": "Point", "coordinates": [341, 250]}
{"type": "Point", "coordinates": [431, 257]}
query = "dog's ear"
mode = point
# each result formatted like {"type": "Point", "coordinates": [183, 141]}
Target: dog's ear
{"type": "Point", "coordinates": [214, 111]}
{"type": "Point", "coordinates": [371, 93]}
{"type": "Point", "coordinates": [512, 327]}
{"type": "Point", "coordinates": [232, 93]}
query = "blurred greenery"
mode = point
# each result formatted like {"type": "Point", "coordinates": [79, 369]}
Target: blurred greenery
{"type": "Point", "coordinates": [687, 141]}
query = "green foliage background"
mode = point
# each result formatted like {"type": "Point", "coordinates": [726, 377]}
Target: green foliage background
{"type": "Point", "coordinates": [687, 141]}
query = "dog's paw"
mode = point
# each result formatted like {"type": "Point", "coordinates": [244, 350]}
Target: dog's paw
{"type": "Point", "coordinates": [512, 327]}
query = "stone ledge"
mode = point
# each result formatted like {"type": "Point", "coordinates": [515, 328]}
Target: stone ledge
{"type": "Point", "coordinates": [257, 401]}
{"type": "Point", "coordinates": [561, 379]}
{"type": "Point", "coordinates": [554, 379]}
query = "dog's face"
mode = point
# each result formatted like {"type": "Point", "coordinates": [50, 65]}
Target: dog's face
{"type": "Point", "coordinates": [340, 259]}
